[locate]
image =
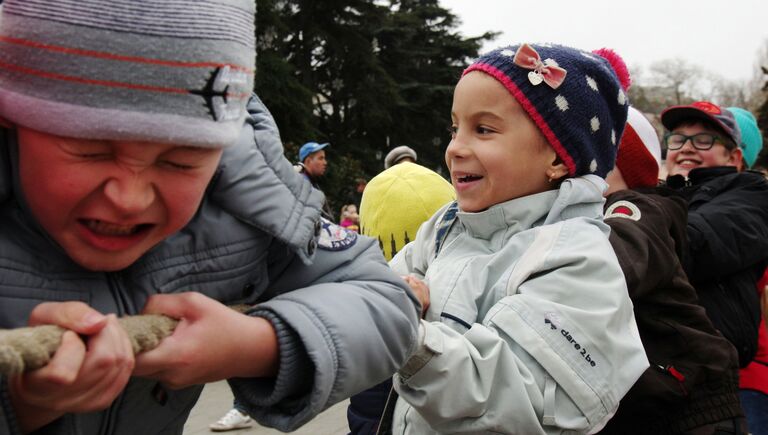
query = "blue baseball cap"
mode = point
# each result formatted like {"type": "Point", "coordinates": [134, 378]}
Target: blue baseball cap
{"type": "Point", "coordinates": [309, 148]}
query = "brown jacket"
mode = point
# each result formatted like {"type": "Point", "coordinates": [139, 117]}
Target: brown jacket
{"type": "Point", "coordinates": [692, 381]}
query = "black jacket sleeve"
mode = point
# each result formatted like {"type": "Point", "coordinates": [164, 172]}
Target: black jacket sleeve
{"type": "Point", "coordinates": [728, 227]}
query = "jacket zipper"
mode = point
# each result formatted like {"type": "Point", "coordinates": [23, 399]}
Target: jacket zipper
{"type": "Point", "coordinates": [113, 282]}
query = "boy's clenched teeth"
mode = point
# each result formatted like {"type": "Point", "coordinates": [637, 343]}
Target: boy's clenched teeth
{"type": "Point", "coordinates": [108, 229]}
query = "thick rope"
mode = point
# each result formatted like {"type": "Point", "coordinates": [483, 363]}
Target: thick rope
{"type": "Point", "coordinates": [29, 348]}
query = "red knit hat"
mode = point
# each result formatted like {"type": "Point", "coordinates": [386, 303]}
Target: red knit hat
{"type": "Point", "coordinates": [639, 154]}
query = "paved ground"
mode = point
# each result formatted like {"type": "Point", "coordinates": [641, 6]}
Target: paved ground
{"type": "Point", "coordinates": [217, 399]}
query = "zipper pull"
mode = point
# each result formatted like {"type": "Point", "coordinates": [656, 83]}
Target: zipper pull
{"type": "Point", "coordinates": [675, 374]}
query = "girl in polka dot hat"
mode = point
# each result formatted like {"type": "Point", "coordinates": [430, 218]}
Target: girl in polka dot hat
{"type": "Point", "coordinates": [528, 308]}
{"type": "Point", "coordinates": [575, 98]}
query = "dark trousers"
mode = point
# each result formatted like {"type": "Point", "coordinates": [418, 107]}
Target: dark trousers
{"type": "Point", "coordinates": [755, 406]}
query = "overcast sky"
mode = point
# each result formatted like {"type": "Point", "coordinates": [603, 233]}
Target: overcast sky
{"type": "Point", "coordinates": [723, 37]}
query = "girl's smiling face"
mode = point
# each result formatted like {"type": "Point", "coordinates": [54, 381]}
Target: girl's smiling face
{"type": "Point", "coordinates": [496, 152]}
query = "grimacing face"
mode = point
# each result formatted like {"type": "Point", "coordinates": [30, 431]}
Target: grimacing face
{"type": "Point", "coordinates": [108, 202]}
{"type": "Point", "coordinates": [496, 151]}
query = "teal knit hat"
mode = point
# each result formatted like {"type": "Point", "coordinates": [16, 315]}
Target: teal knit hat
{"type": "Point", "coordinates": [751, 138]}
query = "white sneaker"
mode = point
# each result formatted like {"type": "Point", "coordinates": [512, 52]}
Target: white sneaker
{"type": "Point", "coordinates": [233, 419]}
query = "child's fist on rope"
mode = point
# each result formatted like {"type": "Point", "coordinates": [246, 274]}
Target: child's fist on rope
{"type": "Point", "coordinates": [88, 370]}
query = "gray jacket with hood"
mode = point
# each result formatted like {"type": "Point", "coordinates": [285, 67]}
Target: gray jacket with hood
{"type": "Point", "coordinates": [344, 320]}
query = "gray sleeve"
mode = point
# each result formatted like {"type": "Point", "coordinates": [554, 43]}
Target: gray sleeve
{"type": "Point", "coordinates": [349, 324]}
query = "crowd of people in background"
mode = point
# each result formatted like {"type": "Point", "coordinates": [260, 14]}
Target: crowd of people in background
{"type": "Point", "coordinates": [691, 236]}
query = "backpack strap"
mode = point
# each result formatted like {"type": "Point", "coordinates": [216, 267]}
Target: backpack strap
{"type": "Point", "coordinates": [446, 222]}
{"type": "Point", "coordinates": [385, 422]}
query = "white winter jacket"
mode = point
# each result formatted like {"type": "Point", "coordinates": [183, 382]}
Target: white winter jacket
{"type": "Point", "coordinates": [530, 328]}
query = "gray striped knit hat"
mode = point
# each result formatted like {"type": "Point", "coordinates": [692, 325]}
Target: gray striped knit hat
{"type": "Point", "coordinates": [170, 71]}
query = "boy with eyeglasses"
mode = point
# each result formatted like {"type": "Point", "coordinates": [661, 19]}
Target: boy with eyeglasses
{"type": "Point", "coordinates": [727, 218]}
{"type": "Point", "coordinates": [691, 386]}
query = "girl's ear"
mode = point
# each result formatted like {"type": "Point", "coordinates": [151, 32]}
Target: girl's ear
{"type": "Point", "coordinates": [557, 169]}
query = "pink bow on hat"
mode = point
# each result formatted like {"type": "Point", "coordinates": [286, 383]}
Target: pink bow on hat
{"type": "Point", "coordinates": [546, 71]}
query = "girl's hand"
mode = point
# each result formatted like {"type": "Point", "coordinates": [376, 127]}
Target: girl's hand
{"type": "Point", "coordinates": [421, 290]}
{"type": "Point", "coordinates": [82, 376]}
{"type": "Point", "coordinates": [211, 342]}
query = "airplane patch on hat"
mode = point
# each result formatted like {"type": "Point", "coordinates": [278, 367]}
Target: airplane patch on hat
{"type": "Point", "coordinates": [227, 107]}
{"type": "Point", "coordinates": [623, 209]}
{"type": "Point", "coordinates": [334, 237]}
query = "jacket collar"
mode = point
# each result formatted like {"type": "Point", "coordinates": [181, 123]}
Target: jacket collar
{"type": "Point", "coordinates": [698, 176]}
{"type": "Point", "coordinates": [576, 197]}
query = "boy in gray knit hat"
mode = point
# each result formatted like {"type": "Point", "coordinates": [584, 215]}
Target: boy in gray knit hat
{"type": "Point", "coordinates": [137, 174]}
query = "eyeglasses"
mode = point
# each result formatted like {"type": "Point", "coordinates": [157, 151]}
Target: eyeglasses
{"type": "Point", "coordinates": [700, 141]}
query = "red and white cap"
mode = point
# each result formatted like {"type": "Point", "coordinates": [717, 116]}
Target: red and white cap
{"type": "Point", "coordinates": [639, 156]}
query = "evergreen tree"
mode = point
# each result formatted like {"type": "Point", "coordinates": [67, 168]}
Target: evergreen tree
{"type": "Point", "coordinates": [425, 56]}
{"type": "Point", "coordinates": [277, 82]}
{"type": "Point", "coordinates": [762, 123]}
{"type": "Point", "coordinates": [364, 75]}
{"type": "Point", "coordinates": [762, 112]}
{"type": "Point", "coordinates": [334, 53]}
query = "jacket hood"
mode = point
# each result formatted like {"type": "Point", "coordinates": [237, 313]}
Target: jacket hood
{"type": "Point", "coordinates": [258, 185]}
{"type": "Point", "coordinates": [578, 197]}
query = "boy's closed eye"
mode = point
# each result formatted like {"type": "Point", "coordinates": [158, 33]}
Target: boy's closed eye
{"type": "Point", "coordinates": [176, 165]}
{"type": "Point", "coordinates": [87, 150]}
{"type": "Point", "coordinates": [183, 158]}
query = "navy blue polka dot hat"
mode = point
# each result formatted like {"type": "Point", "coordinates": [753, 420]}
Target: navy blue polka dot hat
{"type": "Point", "coordinates": [576, 98]}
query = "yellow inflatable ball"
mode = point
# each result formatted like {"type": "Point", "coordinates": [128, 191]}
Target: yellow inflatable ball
{"type": "Point", "coordinates": [398, 200]}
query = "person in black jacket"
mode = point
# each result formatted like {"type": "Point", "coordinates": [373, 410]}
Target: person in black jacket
{"type": "Point", "coordinates": [691, 385]}
{"type": "Point", "coordinates": [727, 219]}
